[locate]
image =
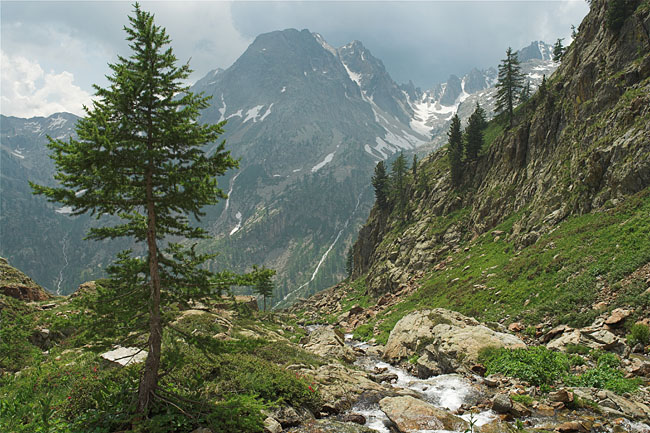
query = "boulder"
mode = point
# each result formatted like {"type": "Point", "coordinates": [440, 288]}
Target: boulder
{"type": "Point", "coordinates": [592, 337]}
{"type": "Point", "coordinates": [356, 418]}
{"type": "Point", "coordinates": [410, 414]}
{"type": "Point", "coordinates": [445, 339]}
{"type": "Point", "coordinates": [329, 425]}
{"type": "Point", "coordinates": [326, 342]}
{"type": "Point", "coordinates": [340, 387]}
{"type": "Point", "coordinates": [123, 356]}
{"type": "Point", "coordinates": [617, 317]}
{"type": "Point", "coordinates": [271, 425]}
{"type": "Point", "coordinates": [571, 427]}
{"type": "Point", "coordinates": [288, 416]}
{"type": "Point", "coordinates": [501, 403]}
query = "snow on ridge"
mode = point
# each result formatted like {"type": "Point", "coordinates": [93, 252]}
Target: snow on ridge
{"type": "Point", "coordinates": [57, 122]}
{"type": "Point", "coordinates": [319, 38]}
{"type": "Point", "coordinates": [353, 75]}
{"type": "Point", "coordinates": [17, 154]}
{"type": "Point", "coordinates": [322, 164]}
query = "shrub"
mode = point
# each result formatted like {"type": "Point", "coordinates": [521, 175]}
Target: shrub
{"type": "Point", "coordinates": [577, 348]}
{"type": "Point", "coordinates": [639, 333]}
{"type": "Point", "coordinates": [524, 399]}
{"type": "Point", "coordinates": [536, 365]}
{"type": "Point", "coordinates": [605, 377]}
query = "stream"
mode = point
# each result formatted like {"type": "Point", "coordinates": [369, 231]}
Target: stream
{"type": "Point", "coordinates": [446, 391]}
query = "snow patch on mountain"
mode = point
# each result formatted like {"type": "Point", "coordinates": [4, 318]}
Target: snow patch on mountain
{"type": "Point", "coordinates": [266, 113]}
{"type": "Point", "coordinates": [237, 114]}
{"type": "Point", "coordinates": [253, 113]}
{"type": "Point", "coordinates": [57, 122]}
{"type": "Point", "coordinates": [324, 162]}
{"type": "Point", "coordinates": [222, 110]}
{"type": "Point", "coordinates": [238, 226]}
{"type": "Point", "coordinates": [353, 75]}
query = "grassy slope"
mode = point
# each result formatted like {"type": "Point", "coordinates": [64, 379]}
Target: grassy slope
{"type": "Point", "coordinates": [225, 387]}
{"type": "Point", "coordinates": [559, 276]}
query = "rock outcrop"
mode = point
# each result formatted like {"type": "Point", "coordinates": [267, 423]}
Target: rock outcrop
{"type": "Point", "coordinates": [410, 414]}
{"type": "Point", "coordinates": [579, 147]}
{"type": "Point", "coordinates": [18, 285]}
{"type": "Point", "coordinates": [325, 341]}
{"type": "Point", "coordinates": [445, 340]}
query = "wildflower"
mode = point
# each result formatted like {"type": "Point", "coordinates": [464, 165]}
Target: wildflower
{"type": "Point", "coordinates": [310, 388]}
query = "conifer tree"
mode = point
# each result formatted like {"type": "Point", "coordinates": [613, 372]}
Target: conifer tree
{"type": "Point", "coordinates": [509, 85]}
{"type": "Point", "coordinates": [525, 93]}
{"type": "Point", "coordinates": [349, 261]}
{"type": "Point", "coordinates": [380, 183]}
{"type": "Point", "coordinates": [558, 50]}
{"type": "Point", "coordinates": [139, 156]}
{"type": "Point", "coordinates": [414, 167]}
{"type": "Point", "coordinates": [543, 86]}
{"type": "Point", "coordinates": [399, 169]}
{"type": "Point", "coordinates": [474, 133]}
{"type": "Point", "coordinates": [481, 117]}
{"type": "Point", "coordinates": [264, 286]}
{"type": "Point", "coordinates": [455, 150]}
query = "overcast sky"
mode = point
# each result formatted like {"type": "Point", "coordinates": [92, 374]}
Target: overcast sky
{"type": "Point", "coordinates": [52, 52]}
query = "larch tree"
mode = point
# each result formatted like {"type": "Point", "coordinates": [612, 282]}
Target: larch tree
{"type": "Point", "coordinates": [139, 158]}
{"type": "Point", "coordinates": [510, 83]}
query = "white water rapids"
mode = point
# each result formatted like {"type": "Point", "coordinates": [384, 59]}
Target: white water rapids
{"type": "Point", "coordinates": [447, 391]}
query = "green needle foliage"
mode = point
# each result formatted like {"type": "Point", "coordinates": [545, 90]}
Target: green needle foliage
{"type": "Point", "coordinates": [474, 133]}
{"type": "Point", "coordinates": [139, 156]}
{"type": "Point", "coordinates": [399, 169]}
{"type": "Point", "coordinates": [380, 182]}
{"type": "Point", "coordinates": [455, 150]}
{"type": "Point", "coordinates": [265, 285]}
{"type": "Point", "coordinates": [510, 84]}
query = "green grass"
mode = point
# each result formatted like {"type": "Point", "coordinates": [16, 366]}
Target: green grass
{"type": "Point", "coordinates": [555, 277]}
{"type": "Point", "coordinates": [536, 365]}
{"type": "Point", "coordinates": [222, 384]}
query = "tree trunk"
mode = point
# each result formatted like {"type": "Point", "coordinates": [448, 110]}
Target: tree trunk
{"type": "Point", "coordinates": [149, 380]}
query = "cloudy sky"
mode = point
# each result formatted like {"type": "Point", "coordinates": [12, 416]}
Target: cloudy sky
{"type": "Point", "coordinates": [53, 52]}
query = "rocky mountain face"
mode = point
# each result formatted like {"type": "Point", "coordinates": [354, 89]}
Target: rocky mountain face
{"type": "Point", "coordinates": [308, 121]}
{"type": "Point", "coordinates": [38, 237]}
{"type": "Point", "coordinates": [578, 153]}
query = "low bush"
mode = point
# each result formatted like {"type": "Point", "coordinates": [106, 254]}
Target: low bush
{"type": "Point", "coordinates": [639, 333]}
{"type": "Point", "coordinates": [536, 365]}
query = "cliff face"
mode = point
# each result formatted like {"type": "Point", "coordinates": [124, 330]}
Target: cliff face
{"type": "Point", "coordinates": [581, 146]}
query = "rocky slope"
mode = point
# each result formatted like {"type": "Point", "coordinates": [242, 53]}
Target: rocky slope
{"type": "Point", "coordinates": [16, 284]}
{"type": "Point", "coordinates": [577, 154]}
